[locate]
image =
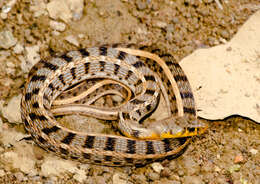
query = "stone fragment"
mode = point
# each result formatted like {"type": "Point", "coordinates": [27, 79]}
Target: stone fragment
{"type": "Point", "coordinates": [157, 167]}
{"type": "Point", "coordinates": [18, 48]}
{"type": "Point", "coordinates": [2, 172]}
{"type": "Point", "coordinates": [31, 58]}
{"type": "Point", "coordinates": [71, 39]}
{"type": "Point", "coordinates": [253, 151]}
{"type": "Point", "coordinates": [7, 39]}
{"type": "Point", "coordinates": [65, 9]}
{"type": "Point", "coordinates": [80, 176]}
{"type": "Point", "coordinates": [119, 178]}
{"type": "Point", "coordinates": [12, 111]}
{"type": "Point", "coordinates": [38, 8]}
{"type": "Point", "coordinates": [53, 166]}
{"type": "Point", "coordinates": [21, 158]}
{"type": "Point", "coordinates": [3, 15]}
{"type": "Point", "coordinates": [58, 26]}
{"type": "Point", "coordinates": [8, 6]}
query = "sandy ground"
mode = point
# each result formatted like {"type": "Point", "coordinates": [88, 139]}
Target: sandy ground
{"type": "Point", "coordinates": [227, 153]}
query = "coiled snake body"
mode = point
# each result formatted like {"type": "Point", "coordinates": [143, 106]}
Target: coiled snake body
{"type": "Point", "coordinates": [145, 75]}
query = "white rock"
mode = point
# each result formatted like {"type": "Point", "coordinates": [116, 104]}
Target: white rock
{"type": "Point", "coordinates": [58, 9]}
{"type": "Point", "coordinates": [71, 39]}
{"type": "Point", "coordinates": [2, 172]}
{"type": "Point", "coordinates": [157, 167]}
{"type": "Point", "coordinates": [12, 111]}
{"type": "Point", "coordinates": [53, 166]}
{"type": "Point", "coordinates": [80, 176]}
{"type": "Point", "coordinates": [19, 176]}
{"type": "Point", "coordinates": [58, 26]}
{"type": "Point", "coordinates": [24, 65]}
{"type": "Point", "coordinates": [253, 151]}
{"type": "Point", "coordinates": [225, 78]}
{"type": "Point", "coordinates": [8, 6]}
{"type": "Point", "coordinates": [55, 33]}
{"type": "Point", "coordinates": [119, 178]}
{"type": "Point", "coordinates": [10, 69]}
{"type": "Point", "coordinates": [3, 15]}
{"type": "Point", "coordinates": [217, 169]}
{"type": "Point", "coordinates": [38, 7]}
{"type": "Point", "coordinates": [76, 6]}
{"type": "Point", "coordinates": [32, 57]}
{"type": "Point", "coordinates": [161, 24]}
{"type": "Point", "coordinates": [7, 39]}
{"type": "Point", "coordinates": [4, 54]}
{"type": "Point", "coordinates": [10, 137]}
{"type": "Point", "coordinates": [18, 48]}
{"type": "Point", "coordinates": [21, 158]}
{"type": "Point", "coordinates": [20, 20]}
{"type": "Point", "coordinates": [65, 9]}
{"type": "Point", "coordinates": [81, 36]}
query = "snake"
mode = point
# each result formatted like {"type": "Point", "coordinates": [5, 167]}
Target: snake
{"type": "Point", "coordinates": [144, 78]}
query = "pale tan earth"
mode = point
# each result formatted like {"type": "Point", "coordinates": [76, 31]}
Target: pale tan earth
{"type": "Point", "coordinates": [29, 30]}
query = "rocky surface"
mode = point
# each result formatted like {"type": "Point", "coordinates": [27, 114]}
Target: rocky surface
{"type": "Point", "coordinates": [230, 81]}
{"type": "Point", "coordinates": [227, 153]}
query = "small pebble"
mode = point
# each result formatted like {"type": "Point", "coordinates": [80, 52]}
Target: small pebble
{"type": "Point", "coordinates": [180, 172]}
{"type": "Point", "coordinates": [7, 39]}
{"type": "Point", "coordinates": [2, 173]}
{"type": "Point", "coordinates": [157, 167]}
{"type": "Point", "coordinates": [172, 165]}
{"type": "Point", "coordinates": [19, 176]}
{"type": "Point", "coordinates": [119, 178]}
{"type": "Point", "coordinates": [59, 10]}
{"type": "Point", "coordinates": [253, 151]}
{"type": "Point", "coordinates": [174, 177]}
{"type": "Point", "coordinates": [166, 172]}
{"type": "Point", "coordinates": [12, 111]}
{"type": "Point", "coordinates": [55, 33]}
{"type": "Point", "coordinates": [58, 26]}
{"type": "Point", "coordinates": [71, 39]}
{"type": "Point", "coordinates": [153, 176]}
{"type": "Point", "coordinates": [101, 180]}
{"type": "Point", "coordinates": [32, 57]}
{"type": "Point", "coordinates": [18, 48]}
{"type": "Point", "coordinates": [217, 169]}
{"type": "Point", "coordinates": [224, 34]}
{"type": "Point", "coordinates": [160, 24]}
{"type": "Point", "coordinates": [139, 178]}
{"type": "Point", "coordinates": [3, 16]}
{"type": "Point", "coordinates": [80, 176]}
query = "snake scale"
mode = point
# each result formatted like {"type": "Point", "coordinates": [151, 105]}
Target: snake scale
{"type": "Point", "coordinates": [145, 74]}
